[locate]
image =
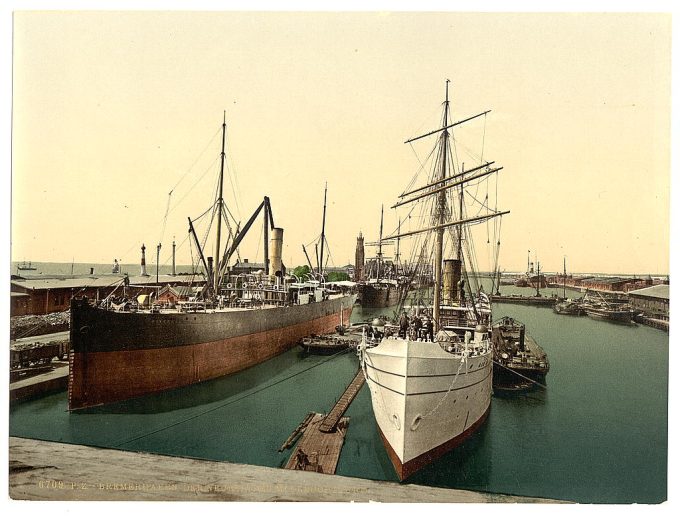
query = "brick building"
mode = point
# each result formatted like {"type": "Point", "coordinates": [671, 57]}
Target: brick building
{"type": "Point", "coordinates": [38, 295]}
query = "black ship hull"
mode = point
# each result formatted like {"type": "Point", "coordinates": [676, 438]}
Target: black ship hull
{"type": "Point", "coordinates": [121, 355]}
{"type": "Point", "coordinates": [380, 295]}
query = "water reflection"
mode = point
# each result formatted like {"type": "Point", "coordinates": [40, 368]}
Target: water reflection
{"type": "Point", "coordinates": [204, 393]}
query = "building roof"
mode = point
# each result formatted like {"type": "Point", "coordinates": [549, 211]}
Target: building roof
{"type": "Point", "coordinates": [656, 291]}
{"type": "Point", "coordinates": [607, 280]}
{"type": "Point", "coordinates": [342, 283]}
{"type": "Point", "coordinates": [99, 281]}
{"type": "Point", "coordinates": [248, 265]}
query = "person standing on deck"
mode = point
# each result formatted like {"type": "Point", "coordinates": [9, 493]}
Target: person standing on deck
{"type": "Point", "coordinates": [403, 325]}
{"type": "Point", "coordinates": [416, 325]}
{"type": "Point", "coordinates": [429, 329]}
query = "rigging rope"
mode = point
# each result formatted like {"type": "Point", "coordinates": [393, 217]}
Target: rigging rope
{"type": "Point", "coordinates": [196, 160]}
{"type": "Point", "coordinates": [165, 217]}
{"type": "Point", "coordinates": [194, 185]}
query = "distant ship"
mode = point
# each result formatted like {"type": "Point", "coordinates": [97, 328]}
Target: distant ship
{"type": "Point", "coordinates": [23, 266]}
{"type": "Point", "coordinates": [380, 293]}
{"type": "Point", "coordinates": [569, 307]}
{"type": "Point", "coordinates": [532, 278]}
{"type": "Point", "coordinates": [431, 386]}
{"type": "Point", "coordinates": [382, 287]}
{"type": "Point", "coordinates": [598, 306]}
{"type": "Point", "coordinates": [123, 349]}
{"type": "Point", "coordinates": [608, 313]}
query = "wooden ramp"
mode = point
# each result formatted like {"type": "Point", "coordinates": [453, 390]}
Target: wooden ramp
{"type": "Point", "coordinates": [331, 420]}
{"type": "Point", "coordinates": [322, 435]}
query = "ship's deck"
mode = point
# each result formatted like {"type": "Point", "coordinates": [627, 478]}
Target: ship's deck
{"type": "Point", "coordinates": [244, 306]}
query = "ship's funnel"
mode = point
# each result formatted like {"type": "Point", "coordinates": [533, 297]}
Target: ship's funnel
{"type": "Point", "coordinates": [451, 278]}
{"type": "Point", "coordinates": [457, 266]}
{"type": "Point", "coordinates": [275, 250]}
{"type": "Point", "coordinates": [449, 284]}
{"type": "Point", "coordinates": [209, 272]}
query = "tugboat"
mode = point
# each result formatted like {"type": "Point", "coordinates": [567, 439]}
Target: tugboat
{"type": "Point", "coordinates": [519, 362]}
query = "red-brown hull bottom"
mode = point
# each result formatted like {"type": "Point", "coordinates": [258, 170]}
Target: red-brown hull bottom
{"type": "Point", "coordinates": [410, 467]}
{"type": "Point", "coordinates": [106, 377]}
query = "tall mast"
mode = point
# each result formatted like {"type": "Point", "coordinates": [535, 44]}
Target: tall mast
{"type": "Point", "coordinates": [564, 279]}
{"type": "Point", "coordinates": [459, 251]}
{"type": "Point", "coordinates": [396, 255]}
{"type": "Point", "coordinates": [528, 258]}
{"type": "Point", "coordinates": [219, 210]}
{"type": "Point", "coordinates": [441, 208]}
{"type": "Point", "coordinates": [323, 230]}
{"type": "Point", "coordinates": [380, 243]}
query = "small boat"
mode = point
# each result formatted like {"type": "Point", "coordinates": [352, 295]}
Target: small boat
{"type": "Point", "coordinates": [597, 306]}
{"type": "Point", "coordinates": [607, 313]}
{"type": "Point", "coordinates": [569, 307]}
{"type": "Point", "coordinates": [519, 362]}
{"type": "Point", "coordinates": [343, 338]}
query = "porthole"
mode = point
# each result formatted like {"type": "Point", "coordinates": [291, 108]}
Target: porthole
{"type": "Point", "coordinates": [416, 422]}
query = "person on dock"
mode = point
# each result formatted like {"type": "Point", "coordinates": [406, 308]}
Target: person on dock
{"type": "Point", "coordinates": [302, 460]}
{"type": "Point", "coordinates": [403, 324]}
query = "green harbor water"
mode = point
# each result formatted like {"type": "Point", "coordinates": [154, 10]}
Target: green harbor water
{"type": "Point", "coordinates": [597, 434]}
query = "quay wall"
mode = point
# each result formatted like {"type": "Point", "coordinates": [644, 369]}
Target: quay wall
{"type": "Point", "coordinates": [41, 470]}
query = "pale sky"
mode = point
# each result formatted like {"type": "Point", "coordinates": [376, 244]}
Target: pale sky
{"type": "Point", "coordinates": [111, 110]}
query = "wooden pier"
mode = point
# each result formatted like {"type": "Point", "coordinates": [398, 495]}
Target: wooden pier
{"type": "Point", "coordinates": [323, 434]}
{"type": "Point", "coordinates": [525, 300]}
{"type": "Point", "coordinates": [341, 406]}
{"type": "Point", "coordinates": [319, 451]}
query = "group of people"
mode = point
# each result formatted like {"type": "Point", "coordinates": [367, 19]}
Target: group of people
{"type": "Point", "coordinates": [416, 327]}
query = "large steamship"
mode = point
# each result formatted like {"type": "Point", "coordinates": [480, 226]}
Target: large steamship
{"type": "Point", "coordinates": [122, 350]}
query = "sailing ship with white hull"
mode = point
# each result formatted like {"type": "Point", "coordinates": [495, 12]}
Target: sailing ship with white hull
{"type": "Point", "coordinates": [431, 390]}
{"type": "Point", "coordinates": [122, 350]}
